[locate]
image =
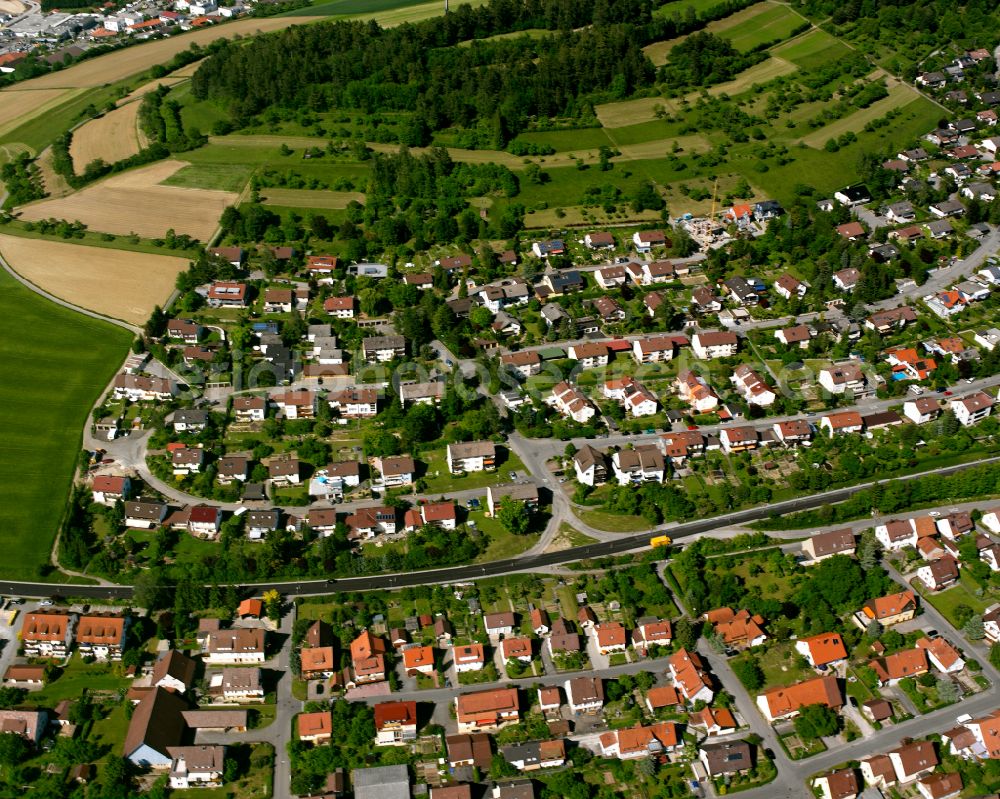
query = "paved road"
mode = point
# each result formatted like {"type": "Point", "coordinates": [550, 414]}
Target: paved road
{"type": "Point", "coordinates": [455, 574]}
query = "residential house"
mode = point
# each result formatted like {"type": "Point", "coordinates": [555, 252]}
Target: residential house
{"type": "Point", "coordinates": [611, 276]}
{"type": "Point", "coordinates": [317, 662]}
{"type": "Point", "coordinates": [822, 651]}
{"type": "Point", "coordinates": [714, 344]}
{"type": "Point", "coordinates": [589, 354]}
{"type": "Point", "coordinates": [486, 711]}
{"type": "Point", "coordinates": [825, 545]}
{"type": "Point", "coordinates": [396, 470]}
{"type": "Point", "coordinates": [380, 349]}
{"type": "Point", "coordinates": [395, 723]}
{"type": "Point", "coordinates": [645, 240]}
{"type": "Point", "coordinates": [315, 728]}
{"type": "Point", "coordinates": [174, 671]}
{"type": "Point", "coordinates": [913, 760]}
{"type": "Point", "coordinates": [921, 410]}
{"type": "Point", "coordinates": [896, 534]}
{"type": "Point", "coordinates": [47, 633]}
{"type": "Point", "coordinates": [940, 786]}
{"type": "Point", "coordinates": [652, 633]}
{"type": "Point", "coordinates": [590, 466]}
{"type": "Point", "coordinates": [571, 402]}
{"type": "Point", "coordinates": [249, 409]}
{"type": "Point", "coordinates": [739, 439]}
{"type": "Point", "coordinates": [787, 286]}
{"type": "Point", "coordinates": [714, 721]}
{"type": "Point", "coordinates": [110, 489]}
{"type": "Point", "coordinates": [539, 619]}
{"type": "Point", "coordinates": [227, 294]}
{"type": "Point", "coordinates": [240, 646]}
{"type": "Point", "coordinates": [846, 279]}
{"type": "Point", "coordinates": [737, 629]}
{"type": "Point", "coordinates": [752, 387]}
{"type": "Point", "coordinates": [887, 610]}
{"type": "Point", "coordinates": [656, 349]}
{"type": "Point", "coordinates": [471, 456]}
{"type": "Point", "coordinates": [516, 649]}
{"type": "Point", "coordinates": [196, 766]}
{"type": "Point", "coordinates": [340, 307]}
{"type": "Point", "coordinates": [939, 574]}
{"type": "Point", "coordinates": [793, 432]}
{"type": "Point", "coordinates": [634, 742]}
{"type": "Point", "coordinates": [354, 402]}
{"type": "Point", "coordinates": [372, 521]}
{"type": "Point", "coordinates": [469, 750]}
{"type": "Point", "coordinates": [585, 695]}
{"type": "Point", "coordinates": [891, 319]}
{"type": "Point", "coordinates": [468, 657]}
{"type": "Point", "coordinates": [526, 493]}
{"type": "Point", "coordinates": [900, 665]}
{"type": "Point", "coordinates": [690, 676]}
{"type": "Point", "coordinates": [524, 363]}
{"type": "Point", "coordinates": [142, 388]}
{"type": "Point", "coordinates": [785, 702]}
{"type": "Point", "coordinates": [101, 635]}
{"type": "Point", "coordinates": [642, 464]}
{"type": "Point", "coordinates": [844, 377]}
{"type": "Point", "coordinates": [695, 390]}
{"type": "Point", "coordinates": [498, 625]}
{"type": "Point", "coordinates": [610, 638]}
{"type": "Point", "coordinates": [942, 655]}
{"type": "Point", "coordinates": [795, 336]}
{"type": "Point", "coordinates": [237, 686]}
{"type": "Point", "coordinates": [971, 409]}
{"type": "Point", "coordinates": [726, 758]}
{"type": "Point", "coordinates": [535, 755]}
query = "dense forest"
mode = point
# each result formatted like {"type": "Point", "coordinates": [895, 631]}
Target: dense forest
{"type": "Point", "coordinates": [495, 85]}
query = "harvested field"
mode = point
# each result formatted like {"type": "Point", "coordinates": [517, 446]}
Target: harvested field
{"type": "Point", "coordinates": [304, 198]}
{"type": "Point", "coordinates": [133, 202]}
{"type": "Point", "coordinates": [759, 73]}
{"type": "Point", "coordinates": [55, 184]}
{"type": "Point", "coordinates": [629, 112]}
{"type": "Point", "coordinates": [116, 283]}
{"type": "Point", "coordinates": [168, 80]}
{"type": "Point", "coordinates": [17, 105]}
{"type": "Point", "coordinates": [661, 148]}
{"type": "Point", "coordinates": [899, 95]}
{"type": "Point", "coordinates": [111, 138]}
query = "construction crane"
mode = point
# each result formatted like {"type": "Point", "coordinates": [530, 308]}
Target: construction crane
{"type": "Point", "coordinates": [715, 193]}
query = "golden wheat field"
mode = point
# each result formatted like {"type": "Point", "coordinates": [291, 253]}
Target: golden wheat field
{"type": "Point", "coordinates": [124, 285]}
{"type": "Point", "coordinates": [134, 202]}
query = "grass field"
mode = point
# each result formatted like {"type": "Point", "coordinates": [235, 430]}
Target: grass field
{"type": "Point", "coordinates": [304, 198]}
{"type": "Point", "coordinates": [812, 49]}
{"type": "Point", "coordinates": [613, 522]}
{"type": "Point", "coordinates": [900, 95]}
{"type": "Point", "coordinates": [768, 25]}
{"type": "Point", "coordinates": [53, 365]}
{"type": "Point", "coordinates": [222, 177]}
{"type": "Point", "coordinates": [115, 283]}
{"type": "Point", "coordinates": [344, 8]}
{"type": "Point", "coordinates": [759, 73]}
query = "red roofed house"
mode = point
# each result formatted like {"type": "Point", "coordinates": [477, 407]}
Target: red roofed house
{"type": "Point", "coordinates": [487, 710]}
{"type": "Point", "coordinates": [900, 665]}
{"type": "Point", "coordinates": [635, 742]}
{"type": "Point", "coordinates": [101, 636]}
{"type": "Point", "coordinates": [610, 638]}
{"type": "Point", "coordinates": [652, 633]}
{"type": "Point", "coordinates": [826, 649]}
{"type": "Point", "coordinates": [780, 703]}
{"type": "Point", "coordinates": [109, 489]}
{"type": "Point", "coordinates": [395, 723]}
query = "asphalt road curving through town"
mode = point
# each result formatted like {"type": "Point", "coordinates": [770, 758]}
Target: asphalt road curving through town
{"type": "Point", "coordinates": [496, 568]}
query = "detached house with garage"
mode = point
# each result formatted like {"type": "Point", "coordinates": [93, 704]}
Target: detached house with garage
{"type": "Point", "coordinates": [714, 344]}
{"type": "Point", "coordinates": [786, 702]}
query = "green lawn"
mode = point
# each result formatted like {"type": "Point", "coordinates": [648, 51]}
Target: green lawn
{"type": "Point", "coordinates": [812, 49]}
{"type": "Point", "coordinates": [772, 25]}
{"type": "Point", "coordinates": [338, 8]}
{"type": "Point", "coordinates": [501, 543]}
{"type": "Point", "coordinates": [78, 677]}
{"type": "Point", "coordinates": [961, 594]}
{"type": "Point", "coordinates": [439, 479]}
{"type": "Point", "coordinates": [53, 365]}
{"type": "Point", "coordinates": [224, 177]}
{"type": "Point", "coordinates": [780, 665]}
{"type": "Point", "coordinates": [614, 522]}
